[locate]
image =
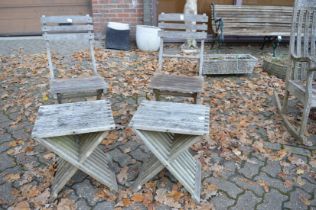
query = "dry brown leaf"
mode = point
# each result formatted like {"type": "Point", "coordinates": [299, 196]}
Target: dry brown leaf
{"type": "Point", "coordinates": [122, 176]}
{"type": "Point", "coordinates": [137, 197]}
{"type": "Point", "coordinates": [305, 200]}
{"type": "Point", "coordinates": [12, 177]}
{"type": "Point", "coordinates": [24, 205]}
{"type": "Point", "coordinates": [288, 184]}
{"type": "Point", "coordinates": [264, 184]}
{"type": "Point", "coordinates": [66, 204]}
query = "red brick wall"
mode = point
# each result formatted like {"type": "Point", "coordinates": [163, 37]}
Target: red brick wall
{"type": "Point", "coordinates": [124, 11]}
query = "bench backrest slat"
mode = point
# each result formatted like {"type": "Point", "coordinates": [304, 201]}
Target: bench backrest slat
{"type": "Point", "coordinates": [182, 17]}
{"type": "Point", "coordinates": [254, 20]}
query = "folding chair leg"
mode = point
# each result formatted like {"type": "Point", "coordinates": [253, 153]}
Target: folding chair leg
{"type": "Point", "coordinates": [59, 98]}
{"type": "Point", "coordinates": [99, 94]}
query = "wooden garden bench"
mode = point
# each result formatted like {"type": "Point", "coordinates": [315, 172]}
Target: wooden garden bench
{"type": "Point", "coordinates": [72, 28]}
{"type": "Point", "coordinates": [174, 26]}
{"type": "Point", "coordinates": [300, 80]}
{"type": "Point", "coordinates": [248, 20]}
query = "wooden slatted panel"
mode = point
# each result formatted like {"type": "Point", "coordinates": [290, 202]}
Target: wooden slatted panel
{"type": "Point", "coordinates": [182, 35]}
{"type": "Point", "coordinates": [22, 17]}
{"type": "Point", "coordinates": [201, 27]}
{"type": "Point", "coordinates": [174, 17]}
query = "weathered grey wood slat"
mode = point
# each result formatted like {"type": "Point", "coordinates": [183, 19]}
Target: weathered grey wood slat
{"type": "Point", "coordinates": [182, 35]}
{"type": "Point", "coordinates": [73, 118]}
{"type": "Point", "coordinates": [87, 146]}
{"type": "Point", "coordinates": [66, 19]}
{"type": "Point", "coordinates": [68, 37]}
{"type": "Point", "coordinates": [63, 176]}
{"type": "Point", "coordinates": [182, 17]}
{"type": "Point", "coordinates": [253, 20]}
{"type": "Point", "coordinates": [67, 29]}
{"type": "Point", "coordinates": [68, 86]}
{"type": "Point", "coordinates": [163, 25]}
{"type": "Point", "coordinates": [185, 84]}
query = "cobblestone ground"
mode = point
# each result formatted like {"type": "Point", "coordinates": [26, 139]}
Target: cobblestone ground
{"type": "Point", "coordinates": [254, 183]}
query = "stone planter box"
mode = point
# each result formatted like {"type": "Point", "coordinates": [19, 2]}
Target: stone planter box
{"type": "Point", "coordinates": [274, 68]}
{"type": "Point", "coordinates": [229, 64]}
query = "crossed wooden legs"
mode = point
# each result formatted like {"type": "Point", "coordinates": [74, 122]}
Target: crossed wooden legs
{"type": "Point", "coordinates": [80, 152]}
{"type": "Point", "coordinates": [171, 151]}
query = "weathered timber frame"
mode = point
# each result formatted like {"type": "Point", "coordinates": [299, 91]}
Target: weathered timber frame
{"type": "Point", "coordinates": [300, 79]}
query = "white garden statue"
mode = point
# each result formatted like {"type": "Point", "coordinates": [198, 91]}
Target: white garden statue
{"type": "Point", "coordinates": [190, 7]}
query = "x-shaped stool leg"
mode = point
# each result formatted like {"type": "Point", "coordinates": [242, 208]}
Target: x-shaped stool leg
{"type": "Point", "coordinates": [80, 152]}
{"type": "Point", "coordinates": [171, 151]}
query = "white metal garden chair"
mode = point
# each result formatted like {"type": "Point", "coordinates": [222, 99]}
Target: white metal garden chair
{"type": "Point", "coordinates": [78, 29]}
{"type": "Point", "coordinates": [300, 80]}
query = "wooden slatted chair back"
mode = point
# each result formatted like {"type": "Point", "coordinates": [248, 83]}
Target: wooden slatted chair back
{"type": "Point", "coordinates": [178, 26]}
{"type": "Point", "coordinates": [303, 36]}
{"type": "Point", "coordinates": [181, 26]}
{"type": "Point", "coordinates": [68, 28]}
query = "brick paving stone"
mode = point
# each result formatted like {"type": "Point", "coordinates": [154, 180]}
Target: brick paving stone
{"type": "Point", "coordinates": [129, 145]}
{"type": "Point", "coordinates": [272, 182]}
{"type": "Point", "coordinates": [140, 155]}
{"type": "Point", "coordinates": [308, 186]}
{"type": "Point", "coordinates": [297, 150]}
{"type": "Point", "coordinates": [87, 191]}
{"type": "Point", "coordinates": [81, 204]}
{"type": "Point", "coordinates": [222, 202]}
{"type": "Point", "coordinates": [20, 134]}
{"type": "Point", "coordinates": [250, 169]}
{"type": "Point", "coordinates": [23, 159]}
{"type": "Point", "coordinates": [104, 205]}
{"type": "Point", "coordinates": [229, 169]}
{"type": "Point", "coordinates": [248, 200]}
{"type": "Point", "coordinates": [272, 168]}
{"type": "Point", "coordinates": [5, 138]}
{"type": "Point", "coordinates": [6, 194]}
{"type": "Point", "coordinates": [4, 147]}
{"type": "Point", "coordinates": [121, 158]}
{"type": "Point", "coordinates": [6, 161]}
{"type": "Point", "coordinates": [296, 199]}
{"type": "Point", "coordinates": [272, 200]}
{"type": "Point", "coordinates": [162, 207]}
{"type": "Point", "coordinates": [78, 177]}
{"type": "Point", "coordinates": [230, 188]}
{"type": "Point", "coordinates": [273, 146]}
{"type": "Point", "coordinates": [248, 184]}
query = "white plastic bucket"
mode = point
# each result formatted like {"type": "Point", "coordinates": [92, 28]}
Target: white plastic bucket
{"type": "Point", "coordinates": [147, 38]}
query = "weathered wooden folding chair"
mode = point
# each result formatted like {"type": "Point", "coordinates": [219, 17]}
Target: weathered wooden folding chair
{"type": "Point", "coordinates": [174, 26]}
{"type": "Point", "coordinates": [72, 28]}
{"type": "Point", "coordinates": [300, 80]}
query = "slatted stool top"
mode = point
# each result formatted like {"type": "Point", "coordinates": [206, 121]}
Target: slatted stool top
{"type": "Point", "coordinates": [73, 118]}
{"type": "Point", "coordinates": [191, 119]}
